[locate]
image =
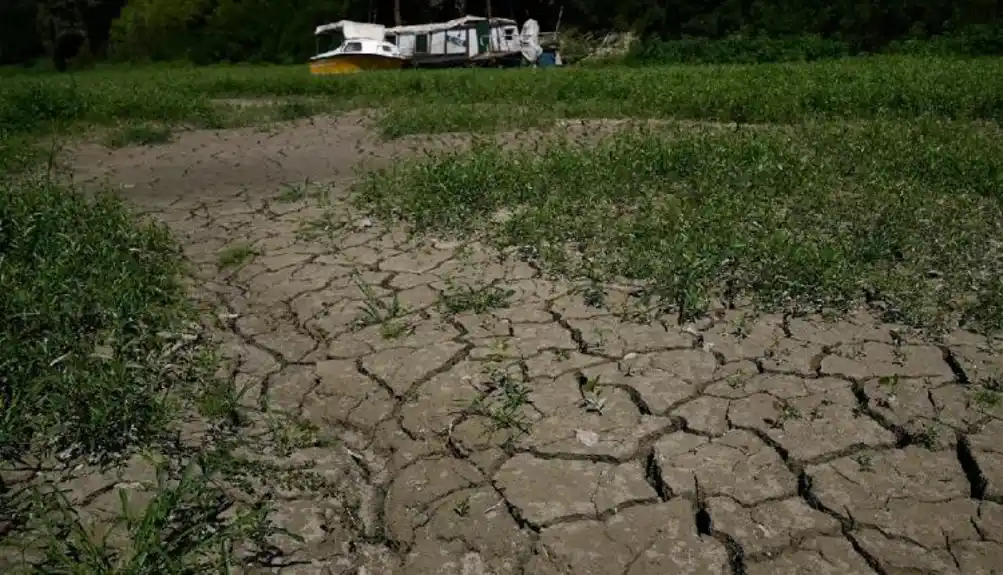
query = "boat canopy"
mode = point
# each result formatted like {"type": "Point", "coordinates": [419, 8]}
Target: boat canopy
{"type": "Point", "coordinates": [361, 46]}
{"type": "Point", "coordinates": [450, 25]}
{"type": "Point", "coordinates": [353, 30]}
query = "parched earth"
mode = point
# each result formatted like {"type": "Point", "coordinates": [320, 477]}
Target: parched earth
{"type": "Point", "coordinates": [544, 431]}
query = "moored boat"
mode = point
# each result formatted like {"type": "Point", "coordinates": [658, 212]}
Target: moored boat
{"type": "Point", "coordinates": [362, 47]}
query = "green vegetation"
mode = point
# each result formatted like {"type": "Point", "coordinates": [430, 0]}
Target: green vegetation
{"type": "Point", "coordinates": [84, 306]}
{"type": "Point", "coordinates": [800, 217]}
{"type": "Point", "coordinates": [139, 135]}
{"type": "Point", "coordinates": [480, 299]}
{"type": "Point", "coordinates": [102, 358]}
{"type": "Point", "coordinates": [886, 87]}
{"type": "Point", "coordinates": [236, 256]}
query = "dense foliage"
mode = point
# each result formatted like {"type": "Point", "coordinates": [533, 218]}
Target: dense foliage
{"type": "Point", "coordinates": [279, 30]}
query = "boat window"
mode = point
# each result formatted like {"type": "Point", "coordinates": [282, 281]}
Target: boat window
{"type": "Point", "coordinates": [329, 41]}
{"type": "Point", "coordinates": [353, 47]}
{"type": "Point", "coordinates": [385, 48]}
{"type": "Point", "coordinates": [509, 33]}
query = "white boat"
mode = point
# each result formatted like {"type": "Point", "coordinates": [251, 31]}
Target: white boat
{"type": "Point", "coordinates": [362, 47]}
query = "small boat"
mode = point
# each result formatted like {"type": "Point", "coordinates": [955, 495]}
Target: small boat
{"type": "Point", "coordinates": [363, 47]}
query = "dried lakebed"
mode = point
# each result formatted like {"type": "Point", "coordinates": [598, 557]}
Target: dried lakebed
{"type": "Point", "coordinates": [487, 420]}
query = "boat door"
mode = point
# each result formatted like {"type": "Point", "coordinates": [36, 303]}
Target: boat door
{"type": "Point", "coordinates": [483, 37]}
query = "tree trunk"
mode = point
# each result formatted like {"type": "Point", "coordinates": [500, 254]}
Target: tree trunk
{"type": "Point", "coordinates": [397, 13]}
{"type": "Point", "coordinates": [487, 9]}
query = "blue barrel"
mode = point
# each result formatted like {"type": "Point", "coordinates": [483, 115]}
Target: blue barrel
{"type": "Point", "coordinates": [547, 59]}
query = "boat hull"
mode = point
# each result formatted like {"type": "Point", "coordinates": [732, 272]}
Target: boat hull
{"type": "Point", "coordinates": [353, 63]}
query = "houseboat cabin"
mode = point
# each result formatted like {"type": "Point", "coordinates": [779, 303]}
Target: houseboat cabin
{"type": "Point", "coordinates": [469, 39]}
{"type": "Point", "coordinates": [346, 46]}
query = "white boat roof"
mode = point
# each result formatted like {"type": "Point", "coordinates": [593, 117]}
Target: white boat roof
{"type": "Point", "coordinates": [450, 25]}
{"type": "Point", "coordinates": [369, 46]}
{"type": "Point", "coordinates": [354, 30]}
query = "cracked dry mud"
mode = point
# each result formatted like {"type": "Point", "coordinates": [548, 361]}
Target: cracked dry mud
{"type": "Point", "coordinates": [741, 443]}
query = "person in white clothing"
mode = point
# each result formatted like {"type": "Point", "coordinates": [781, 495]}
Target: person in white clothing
{"type": "Point", "coordinates": [530, 40]}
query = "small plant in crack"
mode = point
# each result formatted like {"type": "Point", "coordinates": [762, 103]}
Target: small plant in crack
{"type": "Point", "coordinates": [988, 393]}
{"type": "Point", "coordinates": [741, 330]}
{"type": "Point", "coordinates": [325, 227]}
{"type": "Point", "coordinates": [462, 508]}
{"type": "Point", "coordinates": [785, 412]}
{"type": "Point", "coordinates": [593, 295]}
{"type": "Point", "coordinates": [377, 311]}
{"type": "Point", "coordinates": [294, 192]}
{"type": "Point", "coordinates": [504, 398]}
{"type": "Point", "coordinates": [926, 437]}
{"type": "Point", "coordinates": [475, 299]}
{"type": "Point", "coordinates": [889, 381]}
{"type": "Point", "coordinates": [288, 433]}
{"type": "Point", "coordinates": [599, 336]}
{"type": "Point", "coordinates": [986, 398]}
{"type": "Point", "coordinates": [236, 256]}
{"type": "Point", "coordinates": [735, 381]}
{"type": "Point", "coordinates": [396, 329]}
{"type": "Point", "coordinates": [865, 461]}
{"type": "Point", "coordinates": [591, 392]}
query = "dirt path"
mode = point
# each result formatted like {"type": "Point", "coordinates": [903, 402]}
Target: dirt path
{"type": "Point", "coordinates": [518, 429]}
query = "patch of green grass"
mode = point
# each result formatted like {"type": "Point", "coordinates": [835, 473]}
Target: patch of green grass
{"type": "Point", "coordinates": [375, 311]}
{"type": "Point", "coordinates": [864, 88]}
{"type": "Point", "coordinates": [85, 307]}
{"type": "Point", "coordinates": [236, 256]}
{"type": "Point", "coordinates": [294, 110]}
{"type": "Point", "coordinates": [475, 299]}
{"type": "Point", "coordinates": [407, 118]}
{"type": "Point", "coordinates": [927, 436]}
{"type": "Point", "coordinates": [190, 525]}
{"type": "Point", "coordinates": [819, 216]}
{"type": "Point", "coordinates": [396, 329]}
{"type": "Point", "coordinates": [293, 193]}
{"type": "Point", "coordinates": [144, 134]}
{"type": "Point", "coordinates": [100, 357]}
{"type": "Point", "coordinates": [986, 397]}
{"type": "Point", "coordinates": [306, 190]}
{"type": "Point", "coordinates": [18, 153]}
{"type": "Point", "coordinates": [988, 393]}
{"type": "Point", "coordinates": [504, 399]}
{"type": "Point", "coordinates": [235, 114]}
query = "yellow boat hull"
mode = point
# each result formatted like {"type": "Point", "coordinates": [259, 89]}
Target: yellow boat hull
{"type": "Point", "coordinates": [352, 63]}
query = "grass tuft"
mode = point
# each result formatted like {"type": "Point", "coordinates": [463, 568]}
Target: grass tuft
{"type": "Point", "coordinates": [92, 306]}
{"type": "Point", "coordinates": [144, 134]}
{"type": "Point", "coordinates": [821, 216]}
{"type": "Point", "coordinates": [101, 357]}
{"type": "Point", "coordinates": [236, 256]}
